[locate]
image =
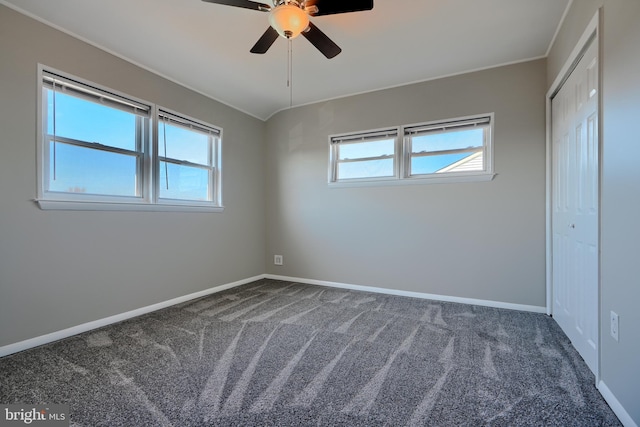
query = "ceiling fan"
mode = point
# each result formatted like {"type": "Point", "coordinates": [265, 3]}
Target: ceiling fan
{"type": "Point", "coordinates": [290, 18]}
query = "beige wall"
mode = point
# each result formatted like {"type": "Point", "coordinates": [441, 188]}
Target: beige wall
{"type": "Point", "coordinates": [61, 269]}
{"type": "Point", "coordinates": [620, 185]}
{"type": "Point", "coordinates": [473, 240]}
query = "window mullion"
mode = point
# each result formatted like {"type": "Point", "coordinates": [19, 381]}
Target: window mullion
{"type": "Point", "coordinates": [405, 155]}
{"type": "Point", "coordinates": [43, 144]}
{"type": "Point", "coordinates": [212, 171]}
{"type": "Point", "coordinates": [153, 174]}
{"type": "Point", "coordinates": [142, 146]}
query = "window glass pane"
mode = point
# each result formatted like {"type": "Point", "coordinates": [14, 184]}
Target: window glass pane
{"type": "Point", "coordinates": [89, 121]}
{"type": "Point", "coordinates": [103, 145]}
{"type": "Point", "coordinates": [366, 149]}
{"type": "Point", "coordinates": [184, 182]}
{"type": "Point", "coordinates": [447, 140]}
{"type": "Point", "coordinates": [366, 169]}
{"type": "Point", "coordinates": [183, 143]}
{"type": "Point", "coordinates": [458, 147]}
{"type": "Point", "coordinates": [91, 171]}
{"type": "Point", "coordinates": [461, 162]}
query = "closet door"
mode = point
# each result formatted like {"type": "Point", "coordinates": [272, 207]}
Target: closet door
{"type": "Point", "coordinates": [575, 206]}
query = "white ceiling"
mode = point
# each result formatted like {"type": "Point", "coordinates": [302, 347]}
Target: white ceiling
{"type": "Point", "coordinates": [205, 46]}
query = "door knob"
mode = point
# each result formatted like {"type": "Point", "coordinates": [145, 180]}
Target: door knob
{"type": "Point", "coordinates": [572, 226]}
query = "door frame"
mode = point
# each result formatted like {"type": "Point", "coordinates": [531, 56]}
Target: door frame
{"type": "Point", "coordinates": [591, 34]}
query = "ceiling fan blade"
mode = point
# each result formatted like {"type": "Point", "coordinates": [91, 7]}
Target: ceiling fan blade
{"type": "Point", "coordinates": [332, 7]}
{"type": "Point", "coordinates": [242, 3]}
{"type": "Point", "coordinates": [264, 43]}
{"type": "Point", "coordinates": [320, 40]}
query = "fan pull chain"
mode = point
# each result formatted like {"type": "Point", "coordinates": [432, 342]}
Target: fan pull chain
{"type": "Point", "coordinates": [290, 71]}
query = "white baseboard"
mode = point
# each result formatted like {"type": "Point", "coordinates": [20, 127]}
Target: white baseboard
{"type": "Point", "coordinates": [435, 297]}
{"type": "Point", "coordinates": [74, 330]}
{"type": "Point", "coordinates": [616, 406]}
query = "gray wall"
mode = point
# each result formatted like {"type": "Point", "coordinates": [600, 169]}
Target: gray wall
{"type": "Point", "coordinates": [620, 186]}
{"type": "Point", "coordinates": [474, 240]}
{"type": "Point", "coordinates": [61, 269]}
{"type": "Point", "coordinates": [572, 28]}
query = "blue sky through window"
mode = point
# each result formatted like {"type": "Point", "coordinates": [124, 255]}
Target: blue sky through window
{"type": "Point", "coordinates": [78, 169]}
{"type": "Point", "coordinates": [183, 143]}
{"type": "Point", "coordinates": [184, 183]}
{"type": "Point", "coordinates": [375, 168]}
{"type": "Point", "coordinates": [83, 169]}
{"type": "Point", "coordinates": [432, 164]}
{"type": "Point", "coordinates": [451, 140]}
{"type": "Point", "coordinates": [88, 121]}
{"type": "Point", "coordinates": [441, 141]}
{"type": "Point", "coordinates": [180, 181]}
{"type": "Point", "coordinates": [359, 150]}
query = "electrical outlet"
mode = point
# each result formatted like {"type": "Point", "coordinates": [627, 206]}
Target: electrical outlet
{"type": "Point", "coordinates": [614, 325]}
{"type": "Point", "coordinates": [278, 260]}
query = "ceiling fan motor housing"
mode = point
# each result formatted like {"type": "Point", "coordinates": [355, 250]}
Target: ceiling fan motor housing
{"type": "Point", "coordinates": [289, 19]}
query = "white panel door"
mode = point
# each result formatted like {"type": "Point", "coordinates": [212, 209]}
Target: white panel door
{"type": "Point", "coordinates": [575, 207]}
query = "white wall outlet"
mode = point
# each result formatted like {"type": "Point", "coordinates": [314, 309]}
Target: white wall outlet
{"type": "Point", "coordinates": [278, 260]}
{"type": "Point", "coordinates": [614, 325]}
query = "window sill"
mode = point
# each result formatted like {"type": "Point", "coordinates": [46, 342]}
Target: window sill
{"type": "Point", "coordinates": [450, 179]}
{"type": "Point", "coordinates": [73, 205]}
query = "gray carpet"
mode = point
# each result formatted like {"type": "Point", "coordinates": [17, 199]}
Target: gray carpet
{"type": "Point", "coordinates": [275, 353]}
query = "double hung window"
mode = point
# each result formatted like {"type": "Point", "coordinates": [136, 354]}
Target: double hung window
{"type": "Point", "coordinates": [370, 155]}
{"type": "Point", "coordinates": [187, 158]}
{"type": "Point", "coordinates": [444, 151]}
{"type": "Point", "coordinates": [452, 147]}
{"type": "Point", "coordinates": [99, 149]}
{"type": "Point", "coordinates": [93, 141]}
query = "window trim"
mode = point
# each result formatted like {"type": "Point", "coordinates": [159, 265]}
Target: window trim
{"type": "Point", "coordinates": [148, 199]}
{"type": "Point", "coordinates": [403, 157]}
{"type": "Point", "coordinates": [354, 137]}
{"type": "Point", "coordinates": [91, 92]}
{"type": "Point", "coordinates": [215, 168]}
{"type": "Point", "coordinates": [444, 125]}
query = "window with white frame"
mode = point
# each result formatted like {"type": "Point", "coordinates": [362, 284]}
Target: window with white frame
{"type": "Point", "coordinates": [188, 156]}
{"type": "Point", "coordinates": [370, 155]}
{"type": "Point", "coordinates": [94, 142]}
{"type": "Point", "coordinates": [452, 150]}
{"type": "Point", "coordinates": [459, 146]}
{"type": "Point", "coordinates": [103, 150]}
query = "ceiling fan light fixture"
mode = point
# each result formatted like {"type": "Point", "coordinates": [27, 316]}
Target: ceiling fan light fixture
{"type": "Point", "coordinates": [288, 20]}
